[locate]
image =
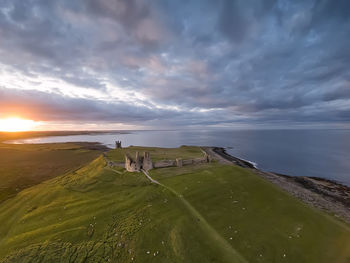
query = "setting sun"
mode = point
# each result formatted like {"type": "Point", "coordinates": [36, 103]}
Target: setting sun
{"type": "Point", "coordinates": [16, 125]}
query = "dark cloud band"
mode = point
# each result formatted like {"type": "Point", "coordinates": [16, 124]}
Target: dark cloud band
{"type": "Point", "coordinates": [180, 62]}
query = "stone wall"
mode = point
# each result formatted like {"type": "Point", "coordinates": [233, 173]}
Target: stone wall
{"type": "Point", "coordinates": [180, 162]}
{"type": "Point", "coordinates": [187, 162]}
{"type": "Point", "coordinates": [165, 163]}
{"type": "Point", "coordinates": [200, 160]}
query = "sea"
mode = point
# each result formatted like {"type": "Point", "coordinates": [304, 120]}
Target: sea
{"type": "Point", "coordinates": [317, 153]}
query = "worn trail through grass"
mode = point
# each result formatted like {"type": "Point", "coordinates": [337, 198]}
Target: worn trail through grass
{"type": "Point", "coordinates": [219, 241]}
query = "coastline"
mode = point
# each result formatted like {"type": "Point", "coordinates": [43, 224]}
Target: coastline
{"type": "Point", "coordinates": [93, 146]}
{"type": "Point", "coordinates": [327, 195]}
{"type": "Point", "coordinates": [238, 161]}
{"type": "Point", "coordinates": [12, 137]}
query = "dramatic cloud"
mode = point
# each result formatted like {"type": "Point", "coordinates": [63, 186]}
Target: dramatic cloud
{"type": "Point", "coordinates": [176, 63]}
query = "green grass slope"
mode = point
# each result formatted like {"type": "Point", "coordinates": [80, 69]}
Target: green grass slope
{"type": "Point", "coordinates": [206, 213]}
{"type": "Point", "coordinates": [184, 152]}
{"type": "Point", "coordinates": [259, 220]}
{"type": "Point", "coordinates": [22, 166]}
{"type": "Point", "coordinates": [101, 215]}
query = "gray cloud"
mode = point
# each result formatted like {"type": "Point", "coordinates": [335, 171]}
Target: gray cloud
{"type": "Point", "coordinates": [43, 106]}
{"type": "Point", "coordinates": [194, 62]}
{"type": "Point", "coordinates": [342, 92]}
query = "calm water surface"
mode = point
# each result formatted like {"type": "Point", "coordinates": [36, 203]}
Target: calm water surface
{"type": "Point", "coordinates": [321, 153]}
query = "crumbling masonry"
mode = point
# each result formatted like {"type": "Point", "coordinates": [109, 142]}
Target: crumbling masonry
{"type": "Point", "coordinates": [145, 162]}
{"type": "Point", "coordinates": [136, 165]}
{"type": "Point", "coordinates": [118, 144]}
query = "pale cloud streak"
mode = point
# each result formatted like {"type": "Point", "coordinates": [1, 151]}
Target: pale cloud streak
{"type": "Point", "coordinates": [177, 63]}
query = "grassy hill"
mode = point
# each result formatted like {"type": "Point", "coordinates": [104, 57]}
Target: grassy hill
{"type": "Point", "coordinates": [22, 166]}
{"type": "Point", "coordinates": [204, 213]}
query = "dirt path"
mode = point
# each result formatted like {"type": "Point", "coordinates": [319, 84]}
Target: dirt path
{"type": "Point", "coordinates": [231, 255]}
{"type": "Point", "coordinates": [150, 178]}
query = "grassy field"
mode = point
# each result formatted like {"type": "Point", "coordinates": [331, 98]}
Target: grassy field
{"type": "Point", "coordinates": [157, 154]}
{"type": "Point", "coordinates": [262, 222]}
{"type": "Point", "coordinates": [204, 213]}
{"type": "Point", "coordinates": [22, 166]}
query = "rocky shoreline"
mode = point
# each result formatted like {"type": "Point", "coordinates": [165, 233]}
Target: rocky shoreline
{"type": "Point", "coordinates": [222, 152]}
{"type": "Point", "coordinates": [93, 146]}
{"type": "Point", "coordinates": [327, 195]}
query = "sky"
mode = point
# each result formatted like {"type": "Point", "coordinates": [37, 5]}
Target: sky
{"type": "Point", "coordinates": [138, 64]}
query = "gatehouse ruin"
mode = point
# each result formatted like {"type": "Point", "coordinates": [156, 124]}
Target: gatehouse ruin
{"type": "Point", "coordinates": [139, 163]}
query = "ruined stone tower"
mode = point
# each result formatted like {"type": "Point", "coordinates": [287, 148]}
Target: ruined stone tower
{"type": "Point", "coordinates": [138, 161]}
{"type": "Point", "coordinates": [130, 164]}
{"type": "Point", "coordinates": [147, 161]}
{"type": "Point", "coordinates": [135, 165]}
{"type": "Point", "coordinates": [118, 144]}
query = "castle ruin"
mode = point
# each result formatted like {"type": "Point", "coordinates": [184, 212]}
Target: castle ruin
{"type": "Point", "coordinates": [145, 162]}
{"type": "Point", "coordinates": [140, 162]}
{"type": "Point", "coordinates": [118, 144]}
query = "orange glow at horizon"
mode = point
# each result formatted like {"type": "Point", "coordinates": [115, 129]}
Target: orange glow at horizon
{"type": "Point", "coordinates": [15, 124]}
